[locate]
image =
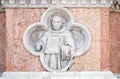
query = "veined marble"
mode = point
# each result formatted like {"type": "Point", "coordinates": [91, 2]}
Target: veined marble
{"type": "Point", "coordinates": [64, 3]}
{"type": "Point", "coordinates": [57, 39]}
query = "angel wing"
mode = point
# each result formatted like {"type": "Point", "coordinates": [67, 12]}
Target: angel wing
{"type": "Point", "coordinates": [81, 37]}
{"type": "Point", "coordinates": [32, 35]}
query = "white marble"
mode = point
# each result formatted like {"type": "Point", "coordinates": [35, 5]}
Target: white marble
{"type": "Point", "coordinates": [22, 1]}
{"type": "Point", "coordinates": [11, 1]}
{"type": "Point", "coordinates": [57, 39]}
{"type": "Point", "coordinates": [58, 75]}
{"type": "Point", "coordinates": [64, 12]}
{"type": "Point", "coordinates": [68, 3]}
{"type": "Point", "coordinates": [64, 2]}
{"type": "Point", "coordinates": [59, 46]}
{"type": "Point", "coordinates": [117, 75]}
{"type": "Point", "coordinates": [32, 1]}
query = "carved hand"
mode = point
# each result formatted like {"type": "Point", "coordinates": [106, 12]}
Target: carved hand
{"type": "Point", "coordinates": [66, 54]}
{"type": "Point", "coordinates": [38, 47]}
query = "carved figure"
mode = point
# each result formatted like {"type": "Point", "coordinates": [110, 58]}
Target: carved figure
{"type": "Point", "coordinates": [56, 39]}
{"type": "Point", "coordinates": [58, 43]}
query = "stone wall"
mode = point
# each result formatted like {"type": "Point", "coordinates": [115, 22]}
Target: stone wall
{"type": "Point", "coordinates": [2, 41]}
{"type": "Point", "coordinates": [104, 39]}
{"type": "Point", "coordinates": [18, 59]}
{"type": "Point", "coordinates": [103, 25]}
{"type": "Point", "coordinates": [114, 41]}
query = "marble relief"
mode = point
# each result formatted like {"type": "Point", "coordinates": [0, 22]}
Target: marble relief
{"type": "Point", "coordinates": [57, 39]}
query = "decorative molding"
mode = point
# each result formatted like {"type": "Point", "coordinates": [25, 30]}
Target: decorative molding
{"type": "Point", "coordinates": [115, 6]}
{"type": "Point", "coordinates": [48, 3]}
{"type": "Point", "coordinates": [58, 75]}
{"type": "Point", "coordinates": [117, 75]}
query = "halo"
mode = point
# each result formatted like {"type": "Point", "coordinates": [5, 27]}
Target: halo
{"type": "Point", "coordinates": [59, 11]}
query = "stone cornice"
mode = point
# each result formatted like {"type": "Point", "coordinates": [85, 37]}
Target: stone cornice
{"type": "Point", "coordinates": [48, 3]}
{"type": "Point", "coordinates": [114, 5]}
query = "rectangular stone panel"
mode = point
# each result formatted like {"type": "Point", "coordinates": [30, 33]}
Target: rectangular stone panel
{"type": "Point", "coordinates": [103, 1]}
{"type": "Point", "coordinates": [43, 1]}
{"type": "Point", "coordinates": [27, 1]}
{"type": "Point", "coordinates": [16, 1]}
{"type": "Point", "coordinates": [83, 1]}
{"type": "Point", "coordinates": [22, 1]}
{"type": "Point", "coordinates": [32, 1]}
{"type": "Point", "coordinates": [73, 2]}
{"type": "Point", "coordinates": [114, 44]}
{"type": "Point", "coordinates": [38, 1]}
{"type": "Point", "coordinates": [11, 1]}
{"type": "Point", "coordinates": [57, 75]}
{"type": "Point", "coordinates": [63, 2]}
{"type": "Point", "coordinates": [2, 41]}
{"type": "Point", "coordinates": [88, 2]}
{"type": "Point", "coordinates": [93, 1]}
{"type": "Point", "coordinates": [54, 1]}
{"type": "Point", "coordinates": [66, 3]}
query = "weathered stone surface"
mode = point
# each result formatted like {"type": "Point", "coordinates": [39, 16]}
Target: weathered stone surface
{"type": "Point", "coordinates": [17, 54]}
{"type": "Point", "coordinates": [98, 56]}
{"type": "Point", "coordinates": [17, 58]}
{"type": "Point", "coordinates": [104, 41]}
{"type": "Point", "coordinates": [91, 60]}
{"type": "Point", "coordinates": [2, 41]}
{"type": "Point", "coordinates": [114, 42]}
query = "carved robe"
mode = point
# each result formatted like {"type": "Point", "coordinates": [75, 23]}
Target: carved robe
{"type": "Point", "coordinates": [59, 48]}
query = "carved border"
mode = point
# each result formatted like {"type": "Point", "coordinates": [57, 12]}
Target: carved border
{"type": "Point", "coordinates": [48, 3]}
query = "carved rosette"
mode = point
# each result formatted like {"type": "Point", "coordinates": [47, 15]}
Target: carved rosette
{"type": "Point", "coordinates": [57, 47]}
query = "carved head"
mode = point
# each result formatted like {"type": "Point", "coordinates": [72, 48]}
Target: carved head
{"type": "Point", "coordinates": [56, 22]}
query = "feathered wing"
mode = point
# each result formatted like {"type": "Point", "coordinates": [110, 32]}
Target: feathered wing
{"type": "Point", "coordinates": [81, 37]}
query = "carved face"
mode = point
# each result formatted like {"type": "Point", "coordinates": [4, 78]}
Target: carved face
{"type": "Point", "coordinates": [57, 23]}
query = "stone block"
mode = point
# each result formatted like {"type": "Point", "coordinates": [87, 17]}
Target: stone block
{"type": "Point", "coordinates": [59, 75]}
